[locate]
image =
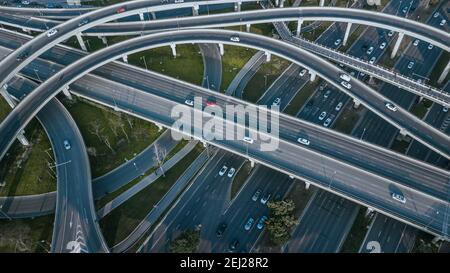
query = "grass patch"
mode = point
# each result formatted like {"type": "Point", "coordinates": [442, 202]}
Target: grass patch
{"type": "Point", "coordinates": [26, 235]}
{"type": "Point", "coordinates": [233, 60]}
{"type": "Point", "coordinates": [120, 222]}
{"type": "Point", "coordinates": [400, 146]}
{"type": "Point", "coordinates": [4, 108]}
{"type": "Point", "coordinates": [419, 109]}
{"type": "Point", "coordinates": [423, 244]}
{"type": "Point", "coordinates": [347, 120]}
{"type": "Point", "coordinates": [300, 98]}
{"type": "Point", "coordinates": [240, 179]}
{"type": "Point", "coordinates": [108, 198]}
{"type": "Point", "coordinates": [24, 170]}
{"type": "Point", "coordinates": [438, 68]}
{"type": "Point", "coordinates": [264, 77]}
{"type": "Point", "coordinates": [357, 233]}
{"type": "Point", "coordinates": [101, 126]}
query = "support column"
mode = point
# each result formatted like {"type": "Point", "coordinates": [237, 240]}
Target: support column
{"type": "Point", "coordinates": [282, 3]}
{"type": "Point", "coordinates": [125, 58]}
{"type": "Point", "coordinates": [104, 40]}
{"type": "Point", "coordinates": [356, 103]}
{"type": "Point", "coordinates": [268, 55]}
{"type": "Point", "coordinates": [159, 127]}
{"type": "Point", "coordinates": [195, 10]}
{"type": "Point", "coordinates": [26, 30]}
{"type": "Point", "coordinates": [444, 73]}
{"type": "Point", "coordinates": [403, 132]}
{"type": "Point", "coordinates": [252, 163]}
{"type": "Point", "coordinates": [299, 27]}
{"type": "Point", "coordinates": [322, 2]}
{"type": "Point", "coordinates": [4, 92]}
{"type": "Point", "coordinates": [153, 15]}
{"type": "Point", "coordinates": [237, 6]}
{"type": "Point", "coordinates": [141, 16]}
{"type": "Point", "coordinates": [347, 33]}
{"type": "Point", "coordinates": [66, 92]}
{"type": "Point", "coordinates": [81, 42]}
{"type": "Point", "coordinates": [369, 211]}
{"type": "Point", "coordinates": [436, 239]}
{"type": "Point", "coordinates": [277, 2]}
{"type": "Point", "coordinates": [312, 76]}
{"type": "Point", "coordinates": [174, 50]}
{"type": "Point", "coordinates": [397, 44]}
{"type": "Point", "coordinates": [247, 27]}
{"type": "Point", "coordinates": [371, 80]}
{"type": "Point", "coordinates": [307, 184]}
{"type": "Point", "coordinates": [222, 51]}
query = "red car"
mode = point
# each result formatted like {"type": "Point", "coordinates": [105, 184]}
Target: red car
{"type": "Point", "coordinates": [121, 9]}
{"type": "Point", "coordinates": [210, 103]}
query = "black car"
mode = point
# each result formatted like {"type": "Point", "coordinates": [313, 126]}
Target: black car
{"type": "Point", "coordinates": [234, 244]}
{"type": "Point", "coordinates": [221, 229]}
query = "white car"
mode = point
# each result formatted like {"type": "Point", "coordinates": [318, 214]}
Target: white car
{"type": "Point", "coordinates": [327, 94]}
{"type": "Point", "coordinates": [383, 45]}
{"type": "Point", "coordinates": [52, 32]}
{"type": "Point", "coordinates": [416, 42]}
{"type": "Point", "coordinates": [67, 144]}
{"type": "Point", "coordinates": [400, 198]}
{"type": "Point", "coordinates": [443, 22]}
{"type": "Point", "coordinates": [248, 140]}
{"type": "Point", "coordinates": [338, 106]}
{"type": "Point", "coordinates": [189, 102]}
{"type": "Point", "coordinates": [345, 77]}
{"type": "Point", "coordinates": [235, 39]}
{"type": "Point", "coordinates": [303, 141]}
{"type": "Point", "coordinates": [249, 223]}
{"type": "Point", "coordinates": [178, 1]}
{"type": "Point", "coordinates": [372, 60]}
{"type": "Point", "coordinates": [346, 84]}
{"type": "Point", "coordinates": [223, 170]}
{"type": "Point", "coordinates": [265, 198]}
{"type": "Point", "coordinates": [276, 102]}
{"type": "Point", "coordinates": [410, 64]}
{"type": "Point", "coordinates": [231, 172]}
{"type": "Point", "coordinates": [430, 46]}
{"type": "Point", "coordinates": [256, 195]}
{"type": "Point", "coordinates": [337, 42]}
{"type": "Point", "coordinates": [405, 9]}
{"type": "Point", "coordinates": [322, 115]}
{"type": "Point", "coordinates": [370, 50]}
{"type": "Point", "coordinates": [303, 72]}
{"type": "Point", "coordinates": [391, 106]}
{"type": "Point", "coordinates": [390, 33]}
{"type": "Point", "coordinates": [436, 15]}
{"type": "Point", "coordinates": [327, 122]}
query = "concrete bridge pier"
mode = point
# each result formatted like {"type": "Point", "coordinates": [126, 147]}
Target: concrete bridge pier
{"type": "Point", "coordinates": [104, 40]}
{"type": "Point", "coordinates": [22, 139]}
{"type": "Point", "coordinates": [282, 3]}
{"type": "Point", "coordinates": [21, 136]}
{"type": "Point", "coordinates": [81, 42]}
{"type": "Point", "coordinates": [444, 74]}
{"type": "Point", "coordinates": [66, 92]}
{"type": "Point", "coordinates": [347, 33]}
{"type": "Point", "coordinates": [322, 3]}
{"type": "Point", "coordinates": [312, 76]}
{"type": "Point", "coordinates": [268, 56]}
{"type": "Point", "coordinates": [403, 132]}
{"type": "Point", "coordinates": [252, 163]}
{"type": "Point", "coordinates": [195, 10]}
{"type": "Point", "coordinates": [174, 50]}
{"type": "Point", "coordinates": [26, 30]}
{"type": "Point", "coordinates": [141, 16]}
{"type": "Point", "coordinates": [307, 184]}
{"type": "Point", "coordinates": [153, 14]}
{"type": "Point", "coordinates": [369, 211]}
{"type": "Point", "coordinates": [299, 27]}
{"type": "Point", "coordinates": [247, 27]}
{"type": "Point", "coordinates": [277, 3]}
{"type": "Point", "coordinates": [160, 127]}
{"type": "Point", "coordinates": [237, 6]}
{"type": "Point", "coordinates": [221, 49]}
{"type": "Point", "coordinates": [356, 103]}
{"type": "Point", "coordinates": [397, 44]}
{"type": "Point", "coordinates": [125, 58]}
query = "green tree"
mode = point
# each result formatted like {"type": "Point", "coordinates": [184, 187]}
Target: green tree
{"type": "Point", "coordinates": [281, 220]}
{"type": "Point", "coordinates": [187, 242]}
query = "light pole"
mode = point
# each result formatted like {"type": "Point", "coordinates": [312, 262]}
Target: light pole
{"type": "Point", "coordinates": [362, 135]}
{"type": "Point", "coordinates": [4, 213]}
{"type": "Point", "coordinates": [37, 75]}
{"type": "Point", "coordinates": [145, 63]}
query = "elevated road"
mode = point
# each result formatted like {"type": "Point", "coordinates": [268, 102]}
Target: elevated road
{"type": "Point", "coordinates": [281, 15]}
{"type": "Point", "coordinates": [85, 65]}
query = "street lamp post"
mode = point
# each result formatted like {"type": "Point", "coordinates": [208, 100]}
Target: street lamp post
{"type": "Point", "coordinates": [37, 75]}
{"type": "Point", "coordinates": [362, 135]}
{"type": "Point", "coordinates": [4, 213]}
{"type": "Point", "coordinates": [145, 63]}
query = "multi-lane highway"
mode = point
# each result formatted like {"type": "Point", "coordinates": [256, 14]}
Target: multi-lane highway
{"type": "Point", "coordinates": [296, 133]}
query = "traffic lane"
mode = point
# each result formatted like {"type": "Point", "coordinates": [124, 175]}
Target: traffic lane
{"type": "Point", "coordinates": [99, 86]}
{"type": "Point", "coordinates": [244, 207]}
{"type": "Point", "coordinates": [212, 62]}
{"type": "Point", "coordinates": [307, 169]}
{"type": "Point", "coordinates": [388, 236]}
{"type": "Point", "coordinates": [324, 225]}
{"type": "Point", "coordinates": [193, 210]}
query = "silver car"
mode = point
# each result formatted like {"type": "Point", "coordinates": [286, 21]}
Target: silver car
{"type": "Point", "coordinates": [322, 115]}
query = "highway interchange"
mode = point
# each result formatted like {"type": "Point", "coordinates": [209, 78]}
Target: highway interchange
{"type": "Point", "coordinates": [330, 174]}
